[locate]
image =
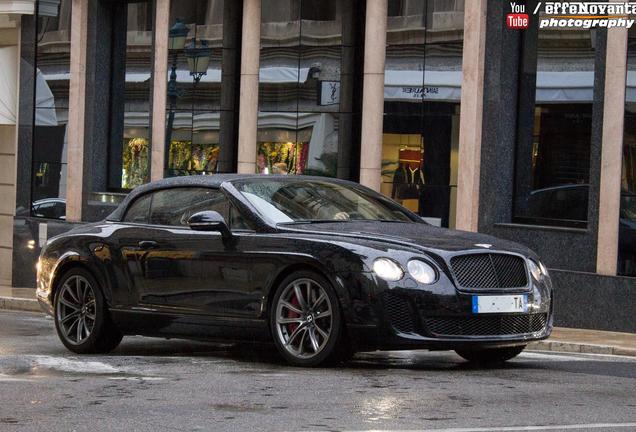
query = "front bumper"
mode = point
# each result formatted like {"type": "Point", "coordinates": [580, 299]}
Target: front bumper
{"type": "Point", "coordinates": [408, 315]}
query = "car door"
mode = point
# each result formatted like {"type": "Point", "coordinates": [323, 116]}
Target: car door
{"type": "Point", "coordinates": [194, 271]}
{"type": "Point", "coordinates": [125, 241]}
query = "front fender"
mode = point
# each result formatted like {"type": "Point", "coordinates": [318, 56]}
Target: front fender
{"type": "Point", "coordinates": [49, 269]}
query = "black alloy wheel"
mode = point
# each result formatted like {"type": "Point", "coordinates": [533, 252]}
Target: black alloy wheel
{"type": "Point", "coordinates": [305, 320]}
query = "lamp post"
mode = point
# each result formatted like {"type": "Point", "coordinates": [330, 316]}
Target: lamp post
{"type": "Point", "coordinates": [198, 61]}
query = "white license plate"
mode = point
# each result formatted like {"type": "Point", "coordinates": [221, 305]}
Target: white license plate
{"type": "Point", "coordinates": [500, 304]}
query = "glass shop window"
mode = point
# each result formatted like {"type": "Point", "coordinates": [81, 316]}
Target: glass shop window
{"type": "Point", "coordinates": [202, 96]}
{"type": "Point", "coordinates": [129, 151]}
{"type": "Point", "coordinates": [306, 105]}
{"type": "Point", "coordinates": [627, 218]}
{"type": "Point", "coordinates": [554, 128]}
{"type": "Point", "coordinates": [51, 82]}
{"type": "Point", "coordinates": [422, 95]}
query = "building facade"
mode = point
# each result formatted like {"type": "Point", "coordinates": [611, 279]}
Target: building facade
{"type": "Point", "coordinates": [524, 134]}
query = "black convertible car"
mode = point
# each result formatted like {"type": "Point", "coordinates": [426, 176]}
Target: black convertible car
{"type": "Point", "coordinates": [322, 267]}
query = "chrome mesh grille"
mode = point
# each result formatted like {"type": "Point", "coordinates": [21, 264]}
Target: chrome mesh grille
{"type": "Point", "coordinates": [398, 312]}
{"type": "Point", "coordinates": [495, 325]}
{"type": "Point", "coordinates": [489, 270]}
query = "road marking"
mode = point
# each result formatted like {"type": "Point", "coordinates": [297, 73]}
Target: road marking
{"type": "Point", "coordinates": [518, 428]}
{"type": "Point", "coordinates": [77, 366]}
{"type": "Point", "coordinates": [143, 378]}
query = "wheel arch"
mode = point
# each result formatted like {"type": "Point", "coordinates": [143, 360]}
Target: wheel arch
{"type": "Point", "coordinates": [71, 261]}
{"type": "Point", "coordinates": [341, 292]}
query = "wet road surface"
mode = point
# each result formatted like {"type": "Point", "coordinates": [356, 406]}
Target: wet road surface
{"type": "Point", "coordinates": [154, 384]}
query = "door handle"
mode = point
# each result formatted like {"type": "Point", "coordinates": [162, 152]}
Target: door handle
{"type": "Point", "coordinates": [148, 244]}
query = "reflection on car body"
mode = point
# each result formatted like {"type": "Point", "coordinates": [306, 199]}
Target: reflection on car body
{"type": "Point", "coordinates": [321, 267]}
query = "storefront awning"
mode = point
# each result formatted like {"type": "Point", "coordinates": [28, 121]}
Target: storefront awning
{"type": "Point", "coordinates": [8, 85]}
{"type": "Point", "coordinates": [552, 87]}
{"type": "Point", "coordinates": [272, 75]}
{"type": "Point", "coordinates": [45, 115]}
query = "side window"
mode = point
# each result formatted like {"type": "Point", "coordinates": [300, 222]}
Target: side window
{"type": "Point", "coordinates": [175, 206]}
{"type": "Point", "coordinates": [138, 211]}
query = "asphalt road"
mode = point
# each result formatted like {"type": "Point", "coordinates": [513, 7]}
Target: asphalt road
{"type": "Point", "coordinates": [154, 384]}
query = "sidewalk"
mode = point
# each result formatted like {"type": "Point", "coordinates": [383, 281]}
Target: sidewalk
{"type": "Point", "coordinates": [18, 299]}
{"type": "Point", "coordinates": [562, 339]}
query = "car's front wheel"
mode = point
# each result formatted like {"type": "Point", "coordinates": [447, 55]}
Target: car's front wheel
{"type": "Point", "coordinates": [81, 317]}
{"type": "Point", "coordinates": [305, 320]}
{"type": "Point", "coordinates": [490, 355]}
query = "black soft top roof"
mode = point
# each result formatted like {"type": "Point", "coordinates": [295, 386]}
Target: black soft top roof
{"type": "Point", "coordinates": [212, 180]}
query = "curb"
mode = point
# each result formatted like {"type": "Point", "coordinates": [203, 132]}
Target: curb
{"type": "Point", "coordinates": [573, 347]}
{"type": "Point", "coordinates": [20, 304]}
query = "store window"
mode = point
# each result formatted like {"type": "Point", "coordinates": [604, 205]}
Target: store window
{"type": "Point", "coordinates": [554, 127]}
{"type": "Point", "coordinates": [422, 94]}
{"type": "Point", "coordinates": [51, 72]}
{"type": "Point", "coordinates": [203, 65]}
{"type": "Point", "coordinates": [627, 221]}
{"type": "Point", "coordinates": [307, 82]}
{"type": "Point", "coordinates": [129, 150]}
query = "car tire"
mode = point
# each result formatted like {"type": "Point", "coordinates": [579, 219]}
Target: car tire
{"type": "Point", "coordinates": [82, 321]}
{"type": "Point", "coordinates": [490, 355]}
{"type": "Point", "coordinates": [295, 334]}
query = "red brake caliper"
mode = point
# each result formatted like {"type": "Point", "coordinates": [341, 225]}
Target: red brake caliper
{"type": "Point", "coordinates": [291, 314]}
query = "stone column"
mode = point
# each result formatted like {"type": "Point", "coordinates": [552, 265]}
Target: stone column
{"type": "Point", "coordinates": [611, 151]}
{"type": "Point", "coordinates": [248, 104]}
{"type": "Point", "coordinates": [373, 94]}
{"type": "Point", "coordinates": [159, 90]}
{"type": "Point", "coordinates": [471, 115]}
{"type": "Point", "coordinates": [10, 42]}
{"type": "Point", "coordinates": [77, 104]}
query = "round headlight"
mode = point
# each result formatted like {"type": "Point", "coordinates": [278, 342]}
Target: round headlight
{"type": "Point", "coordinates": [536, 270]}
{"type": "Point", "coordinates": [421, 272]}
{"type": "Point", "coordinates": [387, 269]}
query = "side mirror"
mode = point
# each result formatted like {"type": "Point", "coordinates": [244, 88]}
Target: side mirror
{"type": "Point", "coordinates": [209, 221]}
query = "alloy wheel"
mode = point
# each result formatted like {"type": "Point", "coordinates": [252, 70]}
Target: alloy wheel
{"type": "Point", "coordinates": [76, 309]}
{"type": "Point", "coordinates": [304, 318]}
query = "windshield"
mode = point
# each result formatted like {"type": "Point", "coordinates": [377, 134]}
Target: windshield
{"type": "Point", "coordinates": [310, 201]}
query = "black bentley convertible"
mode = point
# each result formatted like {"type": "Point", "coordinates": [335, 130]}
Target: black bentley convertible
{"type": "Point", "coordinates": [321, 267]}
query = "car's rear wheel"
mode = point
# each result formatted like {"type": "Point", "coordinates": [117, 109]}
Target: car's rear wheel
{"type": "Point", "coordinates": [490, 355]}
{"type": "Point", "coordinates": [81, 317]}
{"type": "Point", "coordinates": [306, 321]}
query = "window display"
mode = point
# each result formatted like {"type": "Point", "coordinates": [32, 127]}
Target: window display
{"type": "Point", "coordinates": [186, 158]}
{"type": "Point", "coordinates": [135, 163]}
{"type": "Point", "coordinates": [282, 158]}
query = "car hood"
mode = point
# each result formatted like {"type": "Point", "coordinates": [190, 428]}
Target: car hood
{"type": "Point", "coordinates": [419, 235]}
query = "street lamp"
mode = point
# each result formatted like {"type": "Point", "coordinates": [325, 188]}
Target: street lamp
{"type": "Point", "coordinates": [198, 59]}
{"type": "Point", "coordinates": [177, 35]}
